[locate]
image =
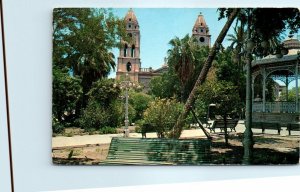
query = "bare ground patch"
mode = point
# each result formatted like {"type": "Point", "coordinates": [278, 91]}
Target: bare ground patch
{"type": "Point", "coordinates": [80, 155]}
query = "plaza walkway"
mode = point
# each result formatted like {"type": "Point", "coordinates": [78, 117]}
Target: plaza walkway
{"type": "Point", "coordinates": [62, 141]}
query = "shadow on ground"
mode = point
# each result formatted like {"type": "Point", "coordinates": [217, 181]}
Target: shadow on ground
{"type": "Point", "coordinates": [268, 150]}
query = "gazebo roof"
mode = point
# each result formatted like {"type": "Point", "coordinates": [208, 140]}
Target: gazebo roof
{"type": "Point", "coordinates": [274, 60]}
{"type": "Point", "coordinates": [291, 44]}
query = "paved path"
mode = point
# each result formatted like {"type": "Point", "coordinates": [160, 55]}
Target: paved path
{"type": "Point", "coordinates": [61, 141]}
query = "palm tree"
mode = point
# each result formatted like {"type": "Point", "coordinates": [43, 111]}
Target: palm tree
{"type": "Point", "coordinates": [202, 76]}
{"type": "Point", "coordinates": [182, 58]}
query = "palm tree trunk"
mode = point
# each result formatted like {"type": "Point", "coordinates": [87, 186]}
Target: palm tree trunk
{"type": "Point", "coordinates": [201, 78]}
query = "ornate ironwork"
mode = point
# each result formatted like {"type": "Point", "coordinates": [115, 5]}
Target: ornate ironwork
{"type": "Point", "coordinates": [275, 107]}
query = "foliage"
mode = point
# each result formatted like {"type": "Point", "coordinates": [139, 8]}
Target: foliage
{"type": "Point", "coordinates": [66, 93]}
{"type": "Point", "coordinates": [57, 127]}
{"type": "Point", "coordinates": [181, 56]}
{"type": "Point", "coordinates": [291, 95]}
{"type": "Point", "coordinates": [108, 130]}
{"type": "Point", "coordinates": [104, 92]}
{"type": "Point", "coordinates": [118, 112]}
{"type": "Point", "coordinates": [162, 114]}
{"type": "Point", "coordinates": [221, 93]}
{"type": "Point", "coordinates": [228, 70]}
{"type": "Point", "coordinates": [201, 107]}
{"type": "Point", "coordinates": [94, 116]}
{"type": "Point", "coordinates": [224, 95]}
{"type": "Point", "coordinates": [165, 86]}
{"type": "Point", "coordinates": [184, 57]}
{"type": "Point", "coordinates": [82, 41]}
{"type": "Point", "coordinates": [169, 85]}
{"type": "Point", "coordinates": [103, 107]}
{"type": "Point", "coordinates": [139, 101]}
{"type": "Point", "coordinates": [267, 24]}
{"type": "Point", "coordinates": [258, 88]}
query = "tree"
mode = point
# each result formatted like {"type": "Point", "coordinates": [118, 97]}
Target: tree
{"type": "Point", "coordinates": [139, 101]}
{"type": "Point", "coordinates": [291, 95]}
{"type": "Point", "coordinates": [104, 92]}
{"type": "Point", "coordinates": [202, 76]}
{"type": "Point", "coordinates": [169, 85]}
{"type": "Point", "coordinates": [228, 70]}
{"type": "Point", "coordinates": [82, 40]}
{"type": "Point", "coordinates": [263, 25]}
{"type": "Point", "coordinates": [224, 95]}
{"type": "Point", "coordinates": [66, 93]}
{"type": "Point", "coordinates": [181, 57]}
{"type": "Point", "coordinates": [165, 86]}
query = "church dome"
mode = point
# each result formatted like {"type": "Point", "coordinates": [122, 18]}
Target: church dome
{"type": "Point", "coordinates": [130, 16]}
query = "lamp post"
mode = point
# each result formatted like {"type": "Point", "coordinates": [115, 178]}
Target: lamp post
{"type": "Point", "coordinates": [248, 134]}
{"type": "Point", "coordinates": [126, 121]}
{"type": "Point", "coordinates": [126, 84]}
{"type": "Point", "coordinates": [258, 49]}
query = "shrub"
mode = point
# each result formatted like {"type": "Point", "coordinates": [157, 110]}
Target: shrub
{"type": "Point", "coordinates": [137, 129]}
{"type": "Point", "coordinates": [94, 116]}
{"type": "Point", "coordinates": [108, 130]}
{"type": "Point", "coordinates": [57, 127]}
{"type": "Point", "coordinates": [162, 115]}
{"type": "Point", "coordinates": [70, 134]}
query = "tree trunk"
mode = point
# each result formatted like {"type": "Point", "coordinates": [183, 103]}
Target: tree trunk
{"type": "Point", "coordinates": [201, 78]}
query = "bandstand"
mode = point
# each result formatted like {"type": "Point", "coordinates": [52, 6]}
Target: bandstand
{"type": "Point", "coordinates": [285, 69]}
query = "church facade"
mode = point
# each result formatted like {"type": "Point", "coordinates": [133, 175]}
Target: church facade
{"type": "Point", "coordinates": [129, 53]}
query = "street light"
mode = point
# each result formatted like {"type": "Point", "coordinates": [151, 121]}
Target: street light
{"type": "Point", "coordinates": [258, 49]}
{"type": "Point", "coordinates": [126, 84]}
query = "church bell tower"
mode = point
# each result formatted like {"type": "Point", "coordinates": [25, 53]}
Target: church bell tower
{"type": "Point", "coordinates": [201, 31]}
{"type": "Point", "coordinates": [130, 51]}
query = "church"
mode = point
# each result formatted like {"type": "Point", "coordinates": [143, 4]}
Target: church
{"type": "Point", "coordinates": [129, 54]}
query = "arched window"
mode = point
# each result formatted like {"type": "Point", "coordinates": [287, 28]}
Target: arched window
{"type": "Point", "coordinates": [133, 51]}
{"type": "Point", "coordinates": [125, 50]}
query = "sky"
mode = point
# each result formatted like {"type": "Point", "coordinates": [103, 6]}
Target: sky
{"type": "Point", "coordinates": [159, 25]}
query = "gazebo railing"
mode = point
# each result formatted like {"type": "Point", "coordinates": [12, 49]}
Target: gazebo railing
{"type": "Point", "coordinates": [275, 107]}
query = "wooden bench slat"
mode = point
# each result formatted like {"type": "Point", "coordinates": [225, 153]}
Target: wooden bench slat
{"type": "Point", "coordinates": [162, 151]}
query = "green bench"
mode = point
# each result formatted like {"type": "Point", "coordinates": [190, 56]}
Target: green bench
{"type": "Point", "coordinates": [154, 151]}
{"type": "Point", "coordinates": [219, 123]}
{"type": "Point", "coordinates": [293, 127]}
{"type": "Point", "coordinates": [266, 125]}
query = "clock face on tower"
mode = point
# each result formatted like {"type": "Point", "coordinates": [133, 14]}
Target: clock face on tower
{"type": "Point", "coordinates": [202, 39]}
